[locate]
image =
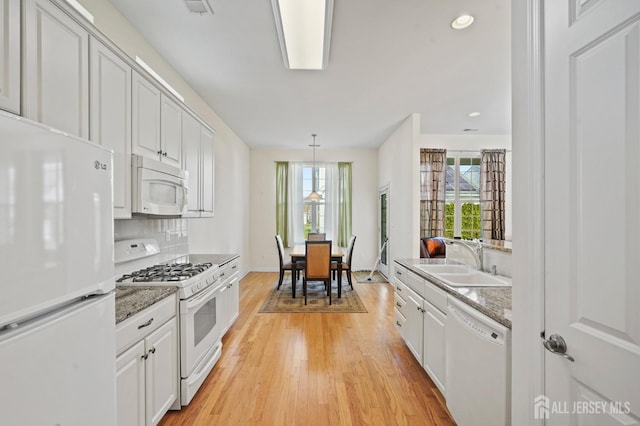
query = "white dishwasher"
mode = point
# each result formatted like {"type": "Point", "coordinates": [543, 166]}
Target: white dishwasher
{"type": "Point", "coordinates": [478, 367]}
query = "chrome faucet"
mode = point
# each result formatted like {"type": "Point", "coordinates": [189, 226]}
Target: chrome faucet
{"type": "Point", "coordinates": [494, 270]}
{"type": "Point", "coordinates": [476, 250]}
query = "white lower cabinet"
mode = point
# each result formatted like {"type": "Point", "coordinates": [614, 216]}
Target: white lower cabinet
{"type": "Point", "coordinates": [433, 358]}
{"type": "Point", "coordinates": [230, 294]}
{"type": "Point", "coordinates": [420, 317]}
{"type": "Point", "coordinates": [147, 375]}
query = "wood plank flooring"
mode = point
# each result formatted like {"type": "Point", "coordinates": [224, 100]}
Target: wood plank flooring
{"type": "Point", "coordinates": [314, 369]}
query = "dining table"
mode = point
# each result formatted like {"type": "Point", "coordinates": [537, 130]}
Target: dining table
{"type": "Point", "coordinates": [298, 253]}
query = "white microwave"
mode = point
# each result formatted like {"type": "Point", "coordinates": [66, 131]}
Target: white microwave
{"type": "Point", "coordinates": [157, 188]}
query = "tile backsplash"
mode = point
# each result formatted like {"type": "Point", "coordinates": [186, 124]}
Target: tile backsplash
{"type": "Point", "coordinates": [171, 234]}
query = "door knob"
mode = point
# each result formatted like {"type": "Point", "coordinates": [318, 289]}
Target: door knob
{"type": "Point", "coordinates": [556, 344]}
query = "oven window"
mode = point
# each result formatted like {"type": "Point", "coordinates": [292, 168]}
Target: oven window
{"type": "Point", "coordinates": [204, 320]}
{"type": "Point", "coordinates": [161, 193]}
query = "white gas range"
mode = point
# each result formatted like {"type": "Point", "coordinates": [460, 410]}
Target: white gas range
{"type": "Point", "coordinates": [199, 287]}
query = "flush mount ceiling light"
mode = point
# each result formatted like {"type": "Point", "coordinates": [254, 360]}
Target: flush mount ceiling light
{"type": "Point", "coordinates": [314, 196]}
{"type": "Point", "coordinates": [474, 114]}
{"type": "Point", "coordinates": [304, 32]}
{"type": "Point", "coordinates": [462, 22]}
{"type": "Point", "coordinates": [200, 7]}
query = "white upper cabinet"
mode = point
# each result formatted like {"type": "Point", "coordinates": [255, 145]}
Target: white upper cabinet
{"type": "Point", "coordinates": [111, 119]}
{"type": "Point", "coordinates": [146, 118]}
{"type": "Point", "coordinates": [171, 131]}
{"type": "Point", "coordinates": [198, 161]}
{"type": "Point", "coordinates": [10, 55]}
{"type": "Point", "coordinates": [56, 74]}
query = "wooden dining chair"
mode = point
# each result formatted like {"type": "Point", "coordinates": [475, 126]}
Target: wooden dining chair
{"type": "Point", "coordinates": [317, 265]}
{"type": "Point", "coordinates": [287, 266]}
{"type": "Point", "coordinates": [317, 236]}
{"type": "Point", "coordinates": [346, 265]}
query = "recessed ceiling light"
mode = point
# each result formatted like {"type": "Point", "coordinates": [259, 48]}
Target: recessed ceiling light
{"type": "Point", "coordinates": [470, 130]}
{"type": "Point", "coordinates": [462, 22]}
{"type": "Point", "coordinates": [474, 114]}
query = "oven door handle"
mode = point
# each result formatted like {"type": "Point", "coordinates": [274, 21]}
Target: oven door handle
{"type": "Point", "coordinates": [201, 298]}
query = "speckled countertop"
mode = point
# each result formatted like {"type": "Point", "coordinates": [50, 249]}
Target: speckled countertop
{"type": "Point", "coordinates": [494, 302]}
{"type": "Point", "coordinates": [132, 299]}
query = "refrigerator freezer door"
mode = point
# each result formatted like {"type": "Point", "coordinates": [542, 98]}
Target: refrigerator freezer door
{"type": "Point", "coordinates": [56, 218]}
{"type": "Point", "coordinates": [59, 369]}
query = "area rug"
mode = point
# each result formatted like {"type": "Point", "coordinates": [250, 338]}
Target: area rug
{"type": "Point", "coordinates": [317, 299]}
{"type": "Point", "coordinates": [363, 277]}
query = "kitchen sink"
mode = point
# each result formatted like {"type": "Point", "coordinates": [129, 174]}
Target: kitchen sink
{"type": "Point", "coordinates": [473, 279]}
{"type": "Point", "coordinates": [463, 276]}
{"type": "Point", "coordinates": [443, 269]}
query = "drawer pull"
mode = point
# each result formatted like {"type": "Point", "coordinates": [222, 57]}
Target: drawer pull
{"type": "Point", "coordinates": [146, 324]}
{"type": "Point", "coordinates": [398, 305]}
{"type": "Point", "coordinates": [152, 350]}
{"type": "Point", "coordinates": [145, 356]}
{"type": "Point", "coordinates": [398, 288]}
{"type": "Point", "coordinates": [398, 324]}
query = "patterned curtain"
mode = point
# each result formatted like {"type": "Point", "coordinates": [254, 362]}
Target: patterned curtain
{"type": "Point", "coordinates": [432, 191]}
{"type": "Point", "coordinates": [282, 202]}
{"type": "Point", "coordinates": [492, 184]}
{"type": "Point", "coordinates": [344, 203]}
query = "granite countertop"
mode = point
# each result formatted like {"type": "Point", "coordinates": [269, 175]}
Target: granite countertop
{"type": "Point", "coordinates": [494, 302]}
{"type": "Point", "coordinates": [132, 299]}
{"type": "Point", "coordinates": [216, 258]}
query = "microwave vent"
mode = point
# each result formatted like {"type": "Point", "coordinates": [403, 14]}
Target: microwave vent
{"type": "Point", "coordinates": [200, 7]}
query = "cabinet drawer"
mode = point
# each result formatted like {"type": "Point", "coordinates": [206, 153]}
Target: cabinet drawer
{"type": "Point", "coordinates": [400, 290]}
{"type": "Point", "coordinates": [399, 321]}
{"type": "Point", "coordinates": [435, 296]}
{"type": "Point", "coordinates": [400, 273]}
{"type": "Point", "coordinates": [415, 283]}
{"type": "Point", "coordinates": [143, 323]}
{"type": "Point", "coordinates": [229, 270]}
{"type": "Point", "coordinates": [399, 303]}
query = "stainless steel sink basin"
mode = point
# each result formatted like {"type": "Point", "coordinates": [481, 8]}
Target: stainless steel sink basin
{"type": "Point", "coordinates": [463, 276]}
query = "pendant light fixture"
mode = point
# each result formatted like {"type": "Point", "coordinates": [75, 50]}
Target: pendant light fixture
{"type": "Point", "coordinates": [314, 196]}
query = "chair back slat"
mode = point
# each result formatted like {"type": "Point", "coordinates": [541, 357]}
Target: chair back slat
{"type": "Point", "coordinates": [352, 242]}
{"type": "Point", "coordinates": [280, 249]}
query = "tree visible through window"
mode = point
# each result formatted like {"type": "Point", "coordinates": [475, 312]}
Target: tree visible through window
{"type": "Point", "coordinates": [462, 197]}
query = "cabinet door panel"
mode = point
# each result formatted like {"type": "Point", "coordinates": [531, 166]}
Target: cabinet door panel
{"type": "Point", "coordinates": [111, 119]}
{"type": "Point", "coordinates": [56, 69]}
{"type": "Point", "coordinates": [208, 172]}
{"type": "Point", "coordinates": [130, 386]}
{"type": "Point", "coordinates": [413, 333]}
{"type": "Point", "coordinates": [434, 344]}
{"type": "Point", "coordinates": [162, 370]}
{"type": "Point", "coordinates": [146, 117]}
{"type": "Point", "coordinates": [171, 131]}
{"type": "Point", "coordinates": [191, 162]}
{"type": "Point", "coordinates": [10, 55]}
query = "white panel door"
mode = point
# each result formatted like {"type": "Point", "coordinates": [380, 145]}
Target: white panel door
{"type": "Point", "coordinates": [131, 386]}
{"type": "Point", "coordinates": [207, 180]}
{"type": "Point", "coordinates": [592, 205]}
{"type": "Point", "coordinates": [111, 119]}
{"type": "Point", "coordinates": [171, 131]}
{"type": "Point", "coordinates": [56, 74]}
{"type": "Point", "coordinates": [413, 333]}
{"type": "Point", "coordinates": [433, 357]}
{"type": "Point", "coordinates": [10, 55]}
{"type": "Point", "coordinates": [162, 370]}
{"type": "Point", "coordinates": [191, 162]}
{"type": "Point", "coordinates": [145, 122]}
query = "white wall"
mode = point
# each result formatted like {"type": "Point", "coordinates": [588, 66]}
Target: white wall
{"type": "Point", "coordinates": [476, 143]}
{"type": "Point", "coordinates": [228, 231]}
{"type": "Point", "coordinates": [264, 255]}
{"type": "Point", "coordinates": [399, 168]}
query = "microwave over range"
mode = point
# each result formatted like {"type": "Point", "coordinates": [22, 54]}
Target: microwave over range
{"type": "Point", "coordinates": [158, 188]}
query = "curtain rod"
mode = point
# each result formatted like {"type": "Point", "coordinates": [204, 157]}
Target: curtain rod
{"type": "Point", "coordinates": [471, 150]}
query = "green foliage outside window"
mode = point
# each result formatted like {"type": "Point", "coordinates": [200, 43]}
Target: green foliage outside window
{"type": "Point", "coordinates": [470, 220]}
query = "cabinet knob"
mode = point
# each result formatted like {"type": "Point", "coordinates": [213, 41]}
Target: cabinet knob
{"type": "Point", "coordinates": [164, 153]}
{"type": "Point", "coordinates": [159, 152]}
{"type": "Point", "coordinates": [145, 356]}
{"type": "Point", "coordinates": [152, 350]}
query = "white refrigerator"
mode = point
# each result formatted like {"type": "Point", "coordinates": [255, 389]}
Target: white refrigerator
{"type": "Point", "coordinates": [57, 302]}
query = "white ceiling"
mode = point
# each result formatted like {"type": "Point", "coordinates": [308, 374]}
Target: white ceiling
{"type": "Point", "coordinates": [388, 59]}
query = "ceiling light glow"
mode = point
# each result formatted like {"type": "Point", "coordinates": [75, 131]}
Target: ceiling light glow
{"type": "Point", "coordinates": [304, 32]}
{"type": "Point", "coordinates": [474, 114]}
{"type": "Point", "coordinates": [462, 22]}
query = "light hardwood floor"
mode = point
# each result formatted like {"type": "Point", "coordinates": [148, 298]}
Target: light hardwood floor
{"type": "Point", "coordinates": [314, 369]}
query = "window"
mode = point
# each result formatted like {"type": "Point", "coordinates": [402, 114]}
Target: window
{"type": "Point", "coordinates": [314, 211]}
{"type": "Point", "coordinates": [462, 196]}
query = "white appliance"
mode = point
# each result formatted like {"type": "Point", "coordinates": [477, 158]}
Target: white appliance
{"type": "Point", "coordinates": [157, 188]}
{"type": "Point", "coordinates": [478, 367]}
{"type": "Point", "coordinates": [57, 305]}
{"type": "Point", "coordinates": [199, 287]}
